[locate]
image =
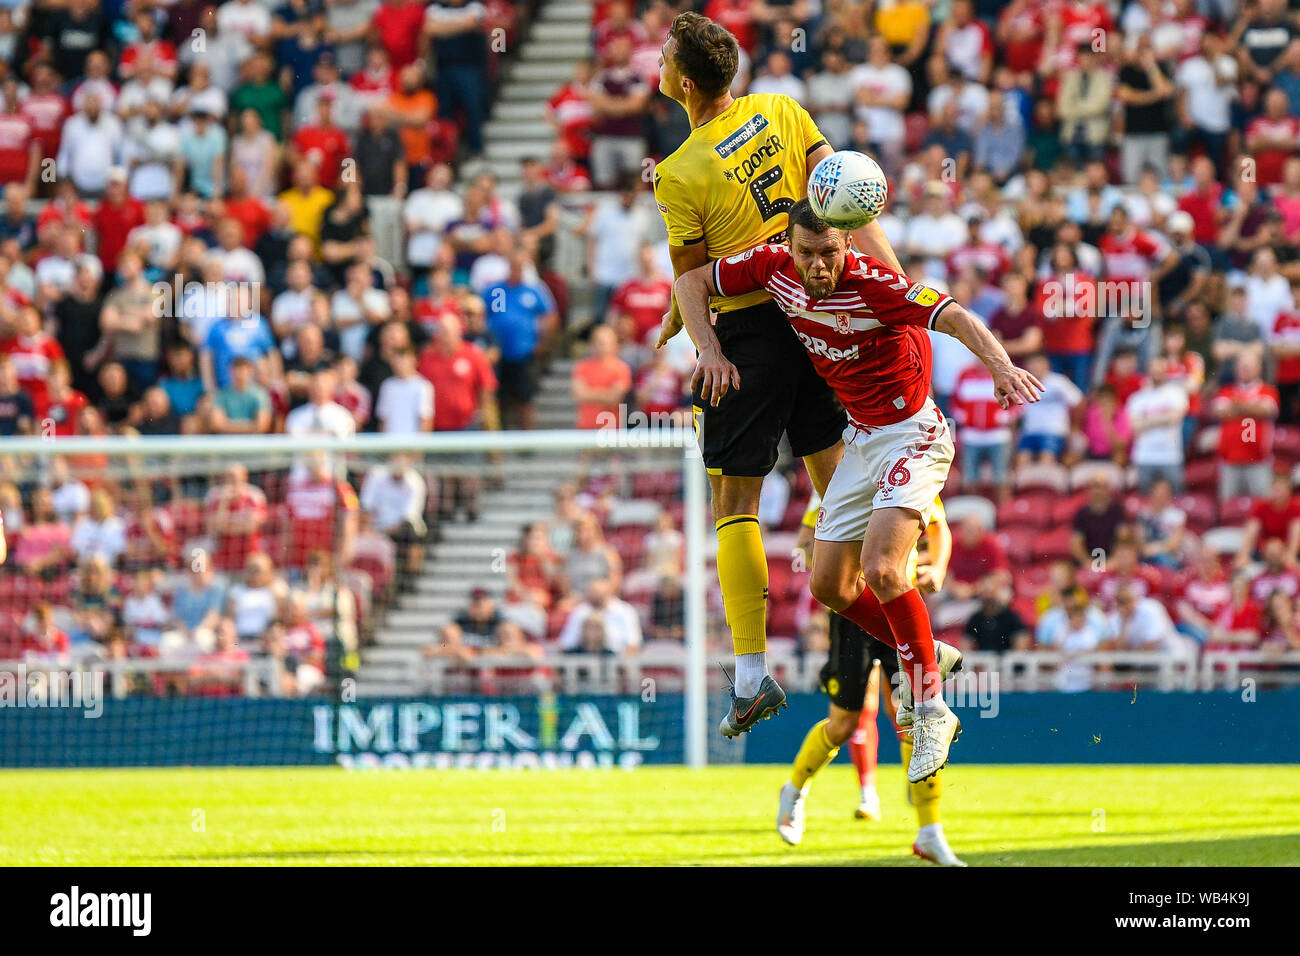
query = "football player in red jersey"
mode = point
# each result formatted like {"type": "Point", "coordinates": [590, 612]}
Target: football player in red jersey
{"type": "Point", "coordinates": [863, 325]}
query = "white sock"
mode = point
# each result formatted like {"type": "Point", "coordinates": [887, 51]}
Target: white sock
{"type": "Point", "coordinates": [930, 831]}
{"type": "Point", "coordinates": [868, 793]}
{"type": "Point", "coordinates": [750, 671]}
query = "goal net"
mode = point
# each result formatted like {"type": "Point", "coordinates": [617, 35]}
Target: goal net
{"type": "Point", "coordinates": [485, 599]}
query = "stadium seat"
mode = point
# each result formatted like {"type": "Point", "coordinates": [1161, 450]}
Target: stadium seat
{"type": "Point", "coordinates": [958, 508]}
{"type": "Point", "coordinates": [1082, 473]}
{"type": "Point", "coordinates": [1202, 475]}
{"type": "Point", "coordinates": [1202, 510]}
{"type": "Point", "coordinates": [1223, 540]}
{"type": "Point", "coordinates": [1032, 509]}
{"type": "Point", "coordinates": [1043, 476]}
{"type": "Point", "coordinates": [1235, 511]}
{"type": "Point", "coordinates": [1064, 509]}
{"type": "Point", "coordinates": [1286, 443]}
{"type": "Point", "coordinates": [1019, 542]}
{"type": "Point", "coordinates": [915, 126]}
{"type": "Point", "coordinates": [1052, 545]}
{"type": "Point", "coordinates": [783, 619]}
{"type": "Point", "coordinates": [638, 511]}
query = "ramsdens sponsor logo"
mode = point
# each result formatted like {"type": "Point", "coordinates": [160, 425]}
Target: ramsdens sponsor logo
{"type": "Point", "coordinates": [761, 154]}
{"type": "Point", "coordinates": [73, 909]}
{"type": "Point", "coordinates": [753, 126]}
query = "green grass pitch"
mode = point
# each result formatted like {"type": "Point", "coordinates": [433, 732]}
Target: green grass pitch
{"type": "Point", "coordinates": [994, 816]}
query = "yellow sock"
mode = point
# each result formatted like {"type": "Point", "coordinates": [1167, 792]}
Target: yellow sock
{"type": "Point", "coordinates": [742, 573]}
{"type": "Point", "coordinates": [926, 794]}
{"type": "Point", "coordinates": [817, 751]}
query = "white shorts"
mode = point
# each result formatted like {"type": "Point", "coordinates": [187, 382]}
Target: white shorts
{"type": "Point", "coordinates": [903, 465]}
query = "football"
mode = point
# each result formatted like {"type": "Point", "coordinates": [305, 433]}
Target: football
{"type": "Point", "coordinates": [848, 189]}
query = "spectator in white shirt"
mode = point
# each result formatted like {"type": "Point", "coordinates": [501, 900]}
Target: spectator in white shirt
{"type": "Point", "coordinates": [91, 145]}
{"type": "Point", "coordinates": [622, 623]}
{"type": "Point", "coordinates": [394, 497]}
{"type": "Point", "coordinates": [101, 533]}
{"type": "Point", "coordinates": [1268, 293]}
{"type": "Point", "coordinates": [1155, 413]}
{"type": "Point", "coordinates": [779, 78]}
{"type": "Point", "coordinates": [1074, 629]}
{"type": "Point", "coordinates": [1045, 425]}
{"type": "Point", "coordinates": [427, 212]}
{"type": "Point", "coordinates": [71, 498]}
{"type": "Point", "coordinates": [1143, 624]}
{"type": "Point", "coordinates": [405, 402]}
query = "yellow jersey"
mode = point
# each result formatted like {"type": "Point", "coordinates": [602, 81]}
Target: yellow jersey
{"type": "Point", "coordinates": [732, 182]}
{"type": "Point", "coordinates": [937, 516]}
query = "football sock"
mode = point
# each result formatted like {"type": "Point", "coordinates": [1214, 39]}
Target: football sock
{"type": "Point", "coordinates": [750, 671]}
{"type": "Point", "coordinates": [868, 613]}
{"type": "Point", "coordinates": [910, 621]}
{"type": "Point", "coordinates": [926, 794]}
{"type": "Point", "coordinates": [817, 751]}
{"type": "Point", "coordinates": [864, 743]}
{"type": "Point", "coordinates": [930, 830]}
{"type": "Point", "coordinates": [742, 574]}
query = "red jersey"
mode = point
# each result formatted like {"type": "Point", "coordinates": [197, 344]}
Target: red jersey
{"type": "Point", "coordinates": [1067, 304]}
{"type": "Point", "coordinates": [252, 214]}
{"type": "Point", "coordinates": [233, 549]}
{"type": "Point", "coordinates": [1243, 442]}
{"type": "Point", "coordinates": [975, 404]}
{"type": "Point", "coordinates": [458, 383]}
{"type": "Point", "coordinates": [399, 26]}
{"type": "Point", "coordinates": [382, 80]}
{"type": "Point", "coordinates": [875, 357]}
{"type": "Point", "coordinates": [1189, 371]}
{"type": "Point", "coordinates": [1024, 31]}
{"type": "Point", "coordinates": [63, 413]}
{"type": "Point", "coordinates": [313, 515]}
{"type": "Point", "coordinates": [988, 257]}
{"type": "Point", "coordinates": [113, 223]}
{"type": "Point", "coordinates": [736, 16]}
{"type": "Point", "coordinates": [327, 146]}
{"type": "Point", "coordinates": [1204, 208]}
{"type": "Point", "coordinates": [1269, 162]}
{"type": "Point", "coordinates": [1208, 598]}
{"type": "Point", "coordinates": [1248, 617]}
{"type": "Point", "coordinates": [573, 111]}
{"type": "Point", "coordinates": [645, 301]}
{"type": "Point", "coordinates": [32, 358]}
{"type": "Point", "coordinates": [1287, 329]}
{"type": "Point", "coordinates": [1130, 256]}
{"type": "Point", "coordinates": [164, 57]}
{"type": "Point", "coordinates": [1264, 584]}
{"type": "Point", "coordinates": [16, 136]}
{"type": "Point", "coordinates": [1274, 522]}
{"type": "Point", "coordinates": [47, 112]}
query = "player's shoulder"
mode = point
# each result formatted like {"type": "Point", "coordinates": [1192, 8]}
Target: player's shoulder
{"type": "Point", "coordinates": [776, 253]}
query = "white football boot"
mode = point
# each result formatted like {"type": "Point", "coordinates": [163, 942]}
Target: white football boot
{"type": "Point", "coordinates": [949, 660]}
{"type": "Point", "coordinates": [934, 847]}
{"type": "Point", "coordinates": [789, 814]}
{"type": "Point", "coordinates": [933, 731]}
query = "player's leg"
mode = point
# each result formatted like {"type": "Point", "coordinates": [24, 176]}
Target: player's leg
{"type": "Point", "coordinates": [864, 747]}
{"type": "Point", "coordinates": [742, 575]}
{"type": "Point", "coordinates": [844, 679]}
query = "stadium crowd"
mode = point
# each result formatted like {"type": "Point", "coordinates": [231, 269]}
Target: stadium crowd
{"type": "Point", "coordinates": [240, 218]}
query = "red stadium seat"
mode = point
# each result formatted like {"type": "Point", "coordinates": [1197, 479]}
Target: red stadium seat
{"type": "Point", "coordinates": [1066, 507]}
{"type": "Point", "coordinates": [1235, 510]}
{"type": "Point", "coordinates": [916, 126]}
{"type": "Point", "coordinates": [782, 619]}
{"type": "Point", "coordinates": [1031, 509]}
{"type": "Point", "coordinates": [1052, 545]}
{"type": "Point", "coordinates": [1202, 511]}
{"type": "Point", "coordinates": [1019, 542]}
{"type": "Point", "coordinates": [1286, 443]}
{"type": "Point", "coordinates": [1202, 475]}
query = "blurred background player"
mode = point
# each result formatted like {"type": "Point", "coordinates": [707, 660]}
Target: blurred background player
{"type": "Point", "coordinates": [726, 189]}
{"type": "Point", "coordinates": [851, 678]}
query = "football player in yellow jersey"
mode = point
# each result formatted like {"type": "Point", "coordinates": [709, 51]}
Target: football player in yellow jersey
{"type": "Point", "coordinates": [851, 678]}
{"type": "Point", "coordinates": [725, 190]}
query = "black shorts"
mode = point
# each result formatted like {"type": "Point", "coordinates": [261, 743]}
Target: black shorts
{"type": "Point", "coordinates": [780, 391]}
{"type": "Point", "coordinates": [844, 676]}
{"type": "Point", "coordinates": [517, 380]}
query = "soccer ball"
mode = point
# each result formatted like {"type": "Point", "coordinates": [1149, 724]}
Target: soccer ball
{"type": "Point", "coordinates": [848, 189]}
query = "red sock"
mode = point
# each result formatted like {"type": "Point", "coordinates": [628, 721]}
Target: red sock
{"type": "Point", "coordinates": [910, 621]}
{"type": "Point", "coordinates": [865, 742]}
{"type": "Point", "coordinates": [867, 613]}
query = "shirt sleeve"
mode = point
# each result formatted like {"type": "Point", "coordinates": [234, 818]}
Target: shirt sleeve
{"type": "Point", "coordinates": [810, 136]}
{"type": "Point", "coordinates": [748, 271]}
{"type": "Point", "coordinates": [681, 215]}
{"type": "Point", "coordinates": [897, 301]}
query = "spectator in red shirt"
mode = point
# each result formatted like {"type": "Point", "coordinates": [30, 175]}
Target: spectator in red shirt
{"type": "Point", "coordinates": [1272, 136]}
{"type": "Point", "coordinates": [1276, 575]}
{"type": "Point", "coordinates": [571, 113]}
{"type": "Point", "coordinates": [1245, 411]}
{"type": "Point", "coordinates": [984, 427]}
{"type": "Point", "coordinates": [1064, 300]}
{"type": "Point", "coordinates": [464, 385]}
{"type": "Point", "coordinates": [643, 299]}
{"type": "Point", "coordinates": [45, 638]}
{"type": "Point", "coordinates": [1239, 625]}
{"type": "Point", "coordinates": [119, 212]}
{"type": "Point", "coordinates": [1122, 569]}
{"type": "Point", "coordinates": [32, 351]}
{"type": "Point", "coordinates": [976, 554]}
{"type": "Point", "coordinates": [46, 108]}
{"type": "Point", "coordinates": [60, 413]}
{"type": "Point", "coordinates": [1275, 518]}
{"type": "Point", "coordinates": [322, 514]}
{"type": "Point", "coordinates": [235, 513]}
{"type": "Point", "coordinates": [601, 381]}
{"type": "Point", "coordinates": [1203, 597]}
{"type": "Point", "coordinates": [246, 209]}
{"type": "Point", "coordinates": [1018, 324]}
{"type": "Point", "coordinates": [323, 143]}
{"type": "Point", "coordinates": [20, 150]}
{"type": "Point", "coordinates": [398, 25]}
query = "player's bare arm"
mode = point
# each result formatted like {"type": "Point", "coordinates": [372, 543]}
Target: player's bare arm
{"type": "Point", "coordinates": [714, 374]}
{"type": "Point", "coordinates": [1010, 383]}
{"type": "Point", "coordinates": [869, 238]}
{"type": "Point", "coordinates": [684, 259]}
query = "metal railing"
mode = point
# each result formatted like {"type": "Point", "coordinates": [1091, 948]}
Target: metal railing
{"type": "Point", "coordinates": [257, 677]}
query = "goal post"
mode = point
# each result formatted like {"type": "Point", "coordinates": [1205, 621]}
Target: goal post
{"type": "Point", "coordinates": [617, 461]}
